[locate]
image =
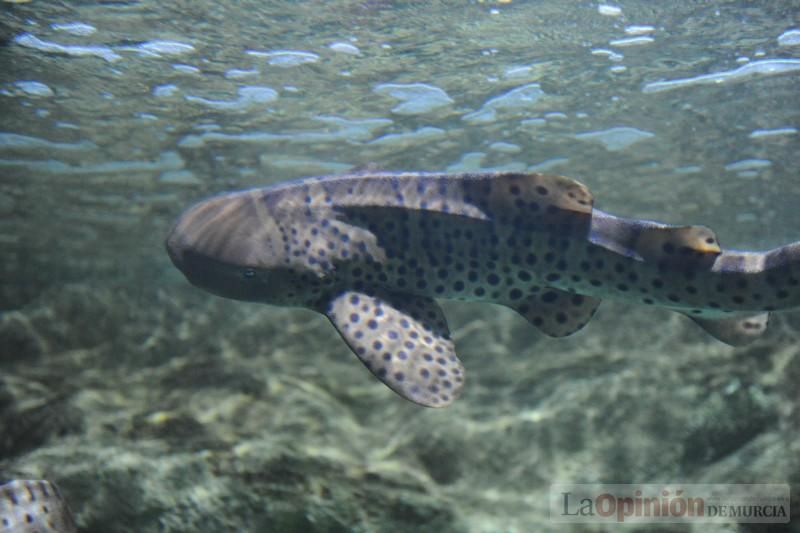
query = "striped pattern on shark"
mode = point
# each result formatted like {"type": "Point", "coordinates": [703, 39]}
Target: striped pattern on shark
{"type": "Point", "coordinates": [33, 506]}
{"type": "Point", "coordinates": [374, 251]}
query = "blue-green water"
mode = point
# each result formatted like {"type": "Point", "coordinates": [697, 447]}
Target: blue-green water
{"type": "Point", "coordinates": [160, 408]}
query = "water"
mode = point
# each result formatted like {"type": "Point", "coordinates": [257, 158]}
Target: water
{"type": "Point", "coordinates": [160, 408]}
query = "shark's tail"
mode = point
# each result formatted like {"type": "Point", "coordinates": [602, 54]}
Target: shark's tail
{"type": "Point", "coordinates": [782, 271]}
{"type": "Point", "coordinates": [762, 282]}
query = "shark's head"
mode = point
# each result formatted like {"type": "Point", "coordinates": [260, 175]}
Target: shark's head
{"type": "Point", "coordinates": [231, 246]}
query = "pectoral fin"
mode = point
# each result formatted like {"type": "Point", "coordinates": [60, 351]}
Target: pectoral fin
{"type": "Point", "coordinates": [736, 331]}
{"type": "Point", "coordinates": [404, 341]}
{"type": "Point", "coordinates": [555, 312]}
{"type": "Point", "coordinates": [28, 505]}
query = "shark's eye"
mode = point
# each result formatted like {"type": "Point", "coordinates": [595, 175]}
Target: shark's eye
{"type": "Point", "coordinates": [248, 273]}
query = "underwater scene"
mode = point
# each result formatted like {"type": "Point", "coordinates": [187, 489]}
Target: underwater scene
{"type": "Point", "coordinates": [553, 258]}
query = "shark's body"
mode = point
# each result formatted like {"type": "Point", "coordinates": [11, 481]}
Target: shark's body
{"type": "Point", "coordinates": [373, 251]}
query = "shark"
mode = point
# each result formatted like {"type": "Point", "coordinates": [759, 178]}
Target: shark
{"type": "Point", "coordinates": [33, 506]}
{"type": "Point", "coordinates": [374, 251]}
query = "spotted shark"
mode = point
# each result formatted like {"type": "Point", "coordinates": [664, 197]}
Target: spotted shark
{"type": "Point", "coordinates": [374, 251]}
{"type": "Point", "coordinates": [33, 506]}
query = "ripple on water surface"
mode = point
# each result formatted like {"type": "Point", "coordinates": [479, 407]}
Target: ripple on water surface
{"type": "Point", "coordinates": [632, 41]}
{"type": "Point", "coordinates": [349, 130]}
{"type": "Point", "coordinates": [764, 67]}
{"type": "Point", "coordinates": [777, 132]}
{"type": "Point", "coordinates": [161, 48]}
{"type": "Point", "coordinates": [416, 98]}
{"type": "Point", "coordinates": [345, 48]}
{"type": "Point", "coordinates": [615, 139]}
{"type": "Point", "coordinates": [28, 40]}
{"type": "Point", "coordinates": [248, 96]}
{"type": "Point", "coordinates": [789, 38]}
{"type": "Point", "coordinates": [639, 30]}
{"type": "Point", "coordinates": [519, 98]}
{"type": "Point", "coordinates": [285, 58]}
{"type": "Point", "coordinates": [75, 28]}
{"type": "Point", "coordinates": [34, 88]}
{"type": "Point", "coordinates": [13, 141]}
{"type": "Point", "coordinates": [402, 140]}
{"type": "Point", "coordinates": [748, 164]}
{"type": "Point", "coordinates": [609, 10]}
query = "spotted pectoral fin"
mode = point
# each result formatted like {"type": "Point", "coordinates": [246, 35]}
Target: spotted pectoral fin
{"type": "Point", "coordinates": [677, 245]}
{"type": "Point", "coordinates": [555, 312]}
{"type": "Point", "coordinates": [404, 341]}
{"type": "Point", "coordinates": [28, 505]}
{"type": "Point", "coordinates": [736, 331]}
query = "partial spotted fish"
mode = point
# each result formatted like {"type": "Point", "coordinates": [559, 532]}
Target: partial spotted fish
{"type": "Point", "coordinates": [33, 506]}
{"type": "Point", "coordinates": [374, 251]}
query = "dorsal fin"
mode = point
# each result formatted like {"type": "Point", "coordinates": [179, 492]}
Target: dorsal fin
{"type": "Point", "coordinates": [677, 244]}
{"type": "Point", "coordinates": [510, 189]}
{"type": "Point", "coordinates": [736, 331]}
{"type": "Point", "coordinates": [534, 202]}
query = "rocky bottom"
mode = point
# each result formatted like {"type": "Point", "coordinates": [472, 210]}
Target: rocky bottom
{"type": "Point", "coordinates": [168, 410]}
